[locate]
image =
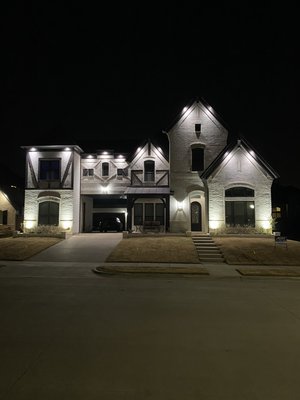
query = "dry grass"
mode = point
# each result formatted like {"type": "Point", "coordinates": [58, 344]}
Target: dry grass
{"type": "Point", "coordinates": [258, 251]}
{"type": "Point", "coordinates": [167, 249]}
{"type": "Point", "coordinates": [170, 249]}
{"type": "Point", "coordinates": [269, 271]}
{"type": "Point", "coordinates": [112, 269]}
{"type": "Point", "coordinates": [21, 248]}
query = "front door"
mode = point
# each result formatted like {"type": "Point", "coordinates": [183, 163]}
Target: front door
{"type": "Point", "coordinates": [196, 220]}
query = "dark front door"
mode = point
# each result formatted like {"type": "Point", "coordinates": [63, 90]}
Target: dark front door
{"type": "Point", "coordinates": [196, 222]}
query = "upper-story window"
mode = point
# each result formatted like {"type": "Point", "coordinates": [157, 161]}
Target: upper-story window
{"type": "Point", "coordinates": [197, 159]}
{"type": "Point", "coordinates": [49, 169]}
{"type": "Point", "coordinates": [88, 172]}
{"type": "Point", "coordinates": [105, 169]}
{"type": "Point", "coordinates": [149, 168]}
{"type": "Point", "coordinates": [198, 128]}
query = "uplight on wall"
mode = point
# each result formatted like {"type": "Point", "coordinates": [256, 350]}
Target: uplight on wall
{"type": "Point", "coordinates": [179, 206]}
{"type": "Point", "coordinates": [29, 224]}
{"type": "Point", "coordinates": [266, 224]}
{"type": "Point", "coordinates": [67, 224]}
{"type": "Point", "coordinates": [214, 224]}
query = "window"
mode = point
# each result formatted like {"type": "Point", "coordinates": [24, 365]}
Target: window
{"type": "Point", "coordinates": [49, 170]}
{"type": "Point", "coordinates": [88, 172]}
{"type": "Point", "coordinates": [149, 212]}
{"type": "Point", "coordinates": [197, 159]}
{"type": "Point", "coordinates": [276, 212]}
{"type": "Point", "coordinates": [149, 168]}
{"type": "Point", "coordinates": [138, 214]}
{"type": "Point", "coordinates": [159, 213]}
{"type": "Point", "coordinates": [239, 191]}
{"type": "Point", "coordinates": [197, 128]}
{"type": "Point", "coordinates": [240, 213]}
{"type": "Point", "coordinates": [120, 173]}
{"type": "Point", "coordinates": [48, 213]}
{"type": "Point", "coordinates": [105, 169]}
{"type": "Point", "coordinates": [3, 217]}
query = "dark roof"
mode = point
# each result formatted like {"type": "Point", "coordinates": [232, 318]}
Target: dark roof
{"type": "Point", "coordinates": [241, 142]}
{"type": "Point", "coordinates": [189, 105]}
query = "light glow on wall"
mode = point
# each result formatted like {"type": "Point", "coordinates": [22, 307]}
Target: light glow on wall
{"type": "Point", "coordinates": [67, 224]}
{"type": "Point", "coordinates": [179, 205]}
{"type": "Point", "coordinates": [214, 224]}
{"type": "Point", "coordinates": [104, 189]}
{"type": "Point", "coordinates": [266, 224]}
{"type": "Point", "coordinates": [184, 109]}
{"type": "Point", "coordinates": [29, 223]}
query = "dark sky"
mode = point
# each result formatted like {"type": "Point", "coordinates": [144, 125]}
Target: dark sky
{"type": "Point", "coordinates": [112, 77]}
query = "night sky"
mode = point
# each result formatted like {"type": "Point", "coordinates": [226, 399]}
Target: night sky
{"type": "Point", "coordinates": [112, 77]}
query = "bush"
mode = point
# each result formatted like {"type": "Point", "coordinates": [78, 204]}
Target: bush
{"type": "Point", "coordinates": [45, 230]}
{"type": "Point", "coordinates": [240, 230]}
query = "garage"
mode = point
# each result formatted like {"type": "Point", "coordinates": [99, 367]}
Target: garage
{"type": "Point", "coordinates": [100, 216]}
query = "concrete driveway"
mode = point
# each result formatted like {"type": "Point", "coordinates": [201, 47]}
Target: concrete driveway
{"type": "Point", "coordinates": [84, 247]}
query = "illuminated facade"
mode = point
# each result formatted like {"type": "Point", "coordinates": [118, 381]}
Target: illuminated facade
{"type": "Point", "coordinates": [202, 185]}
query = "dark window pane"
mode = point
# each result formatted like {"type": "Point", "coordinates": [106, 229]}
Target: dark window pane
{"type": "Point", "coordinates": [105, 169]}
{"type": "Point", "coordinates": [239, 191]}
{"type": "Point", "coordinates": [138, 214]}
{"type": "Point", "coordinates": [198, 128]}
{"type": "Point", "coordinates": [197, 159]}
{"type": "Point", "coordinates": [49, 170]}
{"type": "Point", "coordinates": [149, 212]}
{"type": "Point", "coordinates": [149, 168]}
{"type": "Point", "coordinates": [48, 213]}
{"type": "Point", "coordinates": [159, 213]}
{"type": "Point", "coordinates": [4, 217]}
{"type": "Point", "coordinates": [88, 172]}
{"type": "Point", "coordinates": [240, 213]}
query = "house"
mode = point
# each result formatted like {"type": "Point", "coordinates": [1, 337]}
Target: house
{"type": "Point", "coordinates": [11, 201]}
{"type": "Point", "coordinates": [202, 184]}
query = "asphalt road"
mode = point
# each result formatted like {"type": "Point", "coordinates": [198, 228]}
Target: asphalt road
{"type": "Point", "coordinates": [68, 333]}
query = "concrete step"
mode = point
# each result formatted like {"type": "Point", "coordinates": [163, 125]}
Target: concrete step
{"type": "Point", "coordinates": [207, 250]}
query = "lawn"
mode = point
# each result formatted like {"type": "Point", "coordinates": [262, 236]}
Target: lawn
{"type": "Point", "coordinates": [21, 248]}
{"type": "Point", "coordinates": [170, 249]}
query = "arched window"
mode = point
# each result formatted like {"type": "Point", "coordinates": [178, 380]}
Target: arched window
{"type": "Point", "coordinates": [149, 168]}
{"type": "Point", "coordinates": [239, 206]}
{"type": "Point", "coordinates": [239, 191]}
{"type": "Point", "coordinates": [48, 213]}
{"type": "Point", "coordinates": [105, 169]}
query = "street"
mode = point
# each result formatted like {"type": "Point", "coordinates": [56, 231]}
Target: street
{"type": "Point", "coordinates": [68, 333]}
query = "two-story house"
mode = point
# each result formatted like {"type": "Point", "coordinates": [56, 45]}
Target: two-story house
{"type": "Point", "coordinates": [204, 183]}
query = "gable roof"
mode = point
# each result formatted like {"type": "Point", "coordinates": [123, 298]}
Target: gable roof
{"type": "Point", "coordinates": [241, 143]}
{"type": "Point", "coordinates": [192, 103]}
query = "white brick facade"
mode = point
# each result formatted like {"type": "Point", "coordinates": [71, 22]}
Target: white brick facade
{"type": "Point", "coordinates": [188, 193]}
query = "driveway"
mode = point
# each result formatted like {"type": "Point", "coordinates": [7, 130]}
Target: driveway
{"type": "Point", "coordinates": [84, 247]}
